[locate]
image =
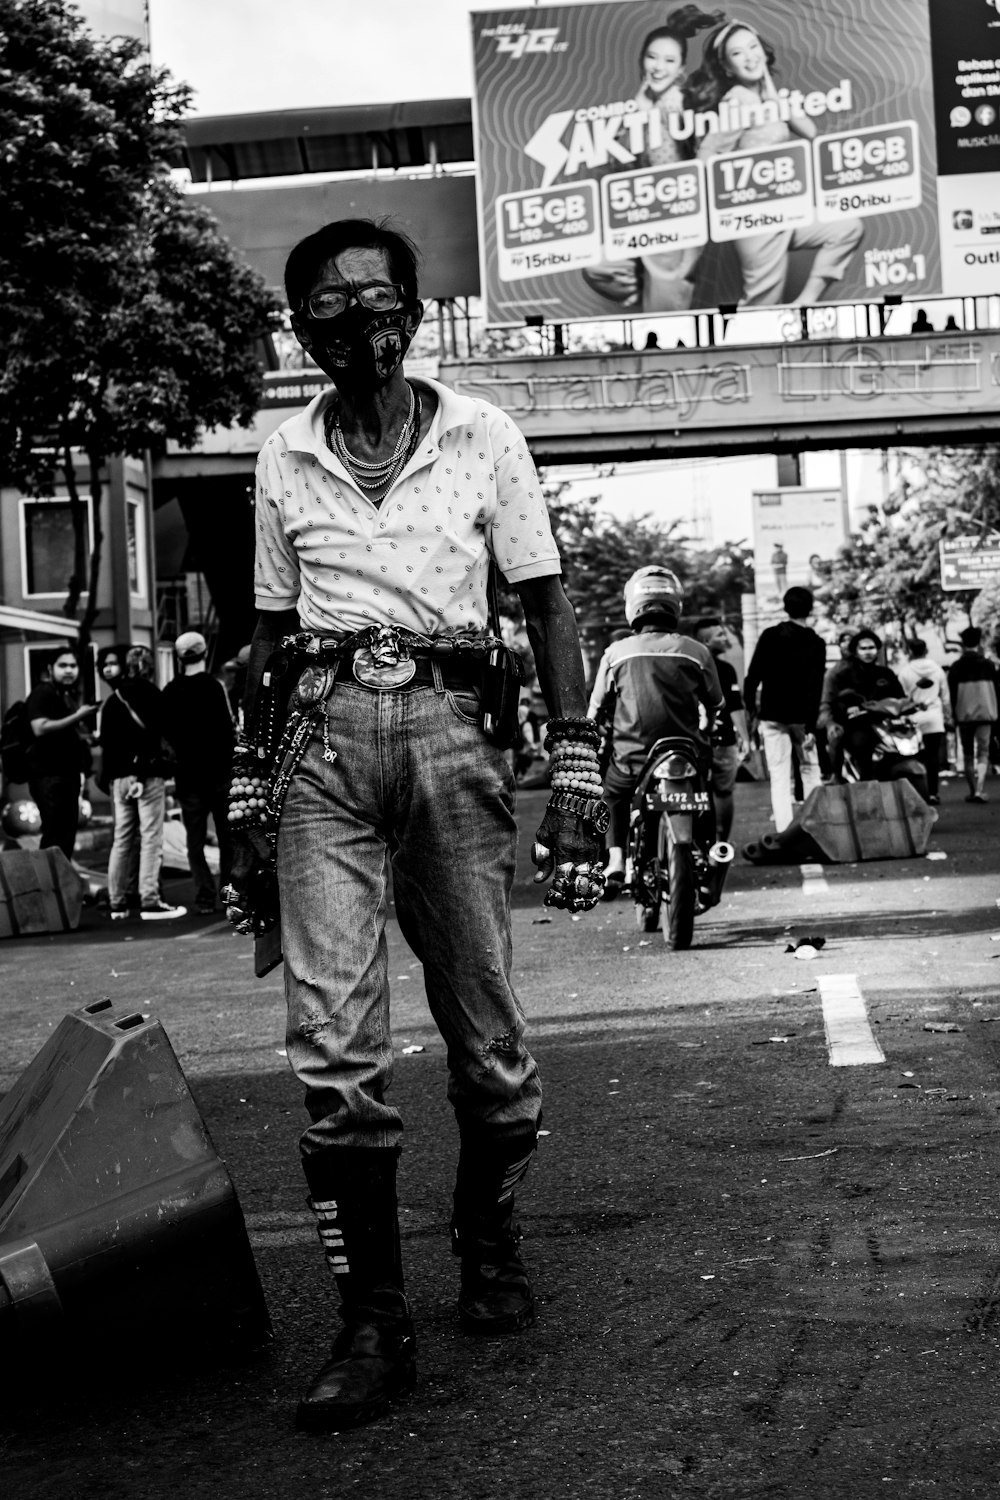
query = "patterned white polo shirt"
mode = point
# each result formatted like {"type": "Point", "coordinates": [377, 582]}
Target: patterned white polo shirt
{"type": "Point", "coordinates": [419, 559]}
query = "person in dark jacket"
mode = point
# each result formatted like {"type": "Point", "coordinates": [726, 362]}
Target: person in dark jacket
{"type": "Point", "coordinates": [787, 671]}
{"type": "Point", "coordinates": [59, 755]}
{"type": "Point", "coordinates": [861, 678]}
{"type": "Point", "coordinates": [973, 682]}
{"type": "Point", "coordinates": [135, 767]}
{"type": "Point", "coordinates": [199, 726]}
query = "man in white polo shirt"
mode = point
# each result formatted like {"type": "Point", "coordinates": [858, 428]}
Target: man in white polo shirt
{"type": "Point", "coordinates": [379, 509]}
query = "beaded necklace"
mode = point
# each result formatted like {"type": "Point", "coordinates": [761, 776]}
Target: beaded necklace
{"type": "Point", "coordinates": [382, 475]}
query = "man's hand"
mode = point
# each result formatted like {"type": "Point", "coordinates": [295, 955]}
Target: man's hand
{"type": "Point", "coordinates": [570, 848]}
{"type": "Point", "coordinates": [251, 896]}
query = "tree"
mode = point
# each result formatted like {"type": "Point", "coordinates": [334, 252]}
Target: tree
{"type": "Point", "coordinates": [890, 570]}
{"type": "Point", "coordinates": [125, 318]}
{"type": "Point", "coordinates": [601, 551]}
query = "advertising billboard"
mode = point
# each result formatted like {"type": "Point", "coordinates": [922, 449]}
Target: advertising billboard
{"type": "Point", "coordinates": [965, 42]}
{"type": "Point", "coordinates": [795, 531]}
{"type": "Point", "coordinates": [635, 158]}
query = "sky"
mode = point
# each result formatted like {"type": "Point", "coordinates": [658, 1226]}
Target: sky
{"type": "Point", "coordinates": [244, 55]}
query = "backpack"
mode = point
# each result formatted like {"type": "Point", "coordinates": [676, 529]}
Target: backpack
{"type": "Point", "coordinates": [15, 738]}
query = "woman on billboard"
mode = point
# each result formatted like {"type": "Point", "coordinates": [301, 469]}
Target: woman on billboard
{"type": "Point", "coordinates": [736, 72]}
{"type": "Point", "coordinates": [659, 282]}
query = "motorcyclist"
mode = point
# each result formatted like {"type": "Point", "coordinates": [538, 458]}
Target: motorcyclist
{"type": "Point", "coordinates": [664, 683]}
{"type": "Point", "coordinates": [861, 678]}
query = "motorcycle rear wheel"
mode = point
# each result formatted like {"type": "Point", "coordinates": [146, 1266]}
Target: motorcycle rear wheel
{"type": "Point", "coordinates": [682, 891]}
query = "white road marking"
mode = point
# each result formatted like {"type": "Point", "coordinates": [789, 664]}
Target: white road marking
{"type": "Point", "coordinates": [849, 1036]}
{"type": "Point", "coordinates": [813, 880]}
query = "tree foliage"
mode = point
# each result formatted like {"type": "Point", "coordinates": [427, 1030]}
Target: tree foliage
{"type": "Point", "coordinates": [890, 571]}
{"type": "Point", "coordinates": [125, 318]}
{"type": "Point", "coordinates": [600, 551]}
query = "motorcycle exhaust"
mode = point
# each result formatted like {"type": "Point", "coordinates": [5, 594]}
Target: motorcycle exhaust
{"type": "Point", "coordinates": [722, 853]}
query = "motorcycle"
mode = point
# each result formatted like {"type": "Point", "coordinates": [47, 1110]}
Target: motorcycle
{"type": "Point", "coordinates": [674, 859]}
{"type": "Point", "coordinates": [897, 741]}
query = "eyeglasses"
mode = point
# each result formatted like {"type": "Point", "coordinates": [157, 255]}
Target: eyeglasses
{"type": "Point", "coordinates": [377, 296]}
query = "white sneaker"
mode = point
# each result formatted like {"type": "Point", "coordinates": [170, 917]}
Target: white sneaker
{"type": "Point", "coordinates": [162, 912]}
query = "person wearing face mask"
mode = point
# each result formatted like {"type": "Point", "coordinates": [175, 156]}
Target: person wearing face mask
{"type": "Point", "coordinates": [380, 509]}
{"type": "Point", "coordinates": [737, 71]}
{"type": "Point", "coordinates": [59, 755]}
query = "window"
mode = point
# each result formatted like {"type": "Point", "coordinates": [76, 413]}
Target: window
{"type": "Point", "coordinates": [47, 542]}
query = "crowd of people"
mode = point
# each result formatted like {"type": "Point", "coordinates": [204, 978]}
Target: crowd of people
{"type": "Point", "coordinates": [812, 720]}
{"type": "Point", "coordinates": [135, 740]}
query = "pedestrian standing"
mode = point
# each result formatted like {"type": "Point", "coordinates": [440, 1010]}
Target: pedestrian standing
{"type": "Point", "coordinates": [787, 671]}
{"type": "Point", "coordinates": [135, 765]}
{"type": "Point", "coordinates": [58, 754]}
{"type": "Point", "coordinates": [925, 681]}
{"type": "Point", "coordinates": [379, 508]}
{"type": "Point", "coordinates": [972, 683]}
{"type": "Point", "coordinates": [199, 726]}
{"type": "Point", "coordinates": [111, 671]}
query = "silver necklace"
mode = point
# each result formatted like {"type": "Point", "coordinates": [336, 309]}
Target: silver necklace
{"type": "Point", "coordinates": [374, 475]}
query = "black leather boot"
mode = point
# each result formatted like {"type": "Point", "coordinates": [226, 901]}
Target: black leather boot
{"type": "Point", "coordinates": [495, 1296]}
{"type": "Point", "coordinates": [373, 1360]}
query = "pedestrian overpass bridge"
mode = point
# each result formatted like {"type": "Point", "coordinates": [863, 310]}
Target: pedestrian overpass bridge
{"type": "Point", "coordinates": [754, 398]}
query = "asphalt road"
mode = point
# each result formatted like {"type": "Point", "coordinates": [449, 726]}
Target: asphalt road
{"type": "Point", "coordinates": [758, 1274]}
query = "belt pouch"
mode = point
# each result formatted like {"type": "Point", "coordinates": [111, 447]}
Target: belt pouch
{"type": "Point", "coordinates": [503, 677]}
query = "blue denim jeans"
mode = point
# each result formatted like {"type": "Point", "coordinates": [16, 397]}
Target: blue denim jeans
{"type": "Point", "coordinates": [138, 825]}
{"type": "Point", "coordinates": [414, 782]}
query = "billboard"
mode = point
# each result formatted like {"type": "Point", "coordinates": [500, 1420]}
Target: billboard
{"type": "Point", "coordinates": [635, 158]}
{"type": "Point", "coordinates": [795, 531]}
{"type": "Point", "coordinates": [965, 40]}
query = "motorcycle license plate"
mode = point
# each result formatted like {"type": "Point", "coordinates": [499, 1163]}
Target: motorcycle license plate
{"type": "Point", "coordinates": [686, 801]}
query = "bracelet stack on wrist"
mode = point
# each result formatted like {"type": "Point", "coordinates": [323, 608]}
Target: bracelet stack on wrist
{"type": "Point", "coordinates": [247, 800]}
{"type": "Point", "coordinates": [572, 745]}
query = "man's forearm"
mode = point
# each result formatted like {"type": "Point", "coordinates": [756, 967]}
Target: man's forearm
{"type": "Point", "coordinates": [555, 644]}
{"type": "Point", "coordinates": [271, 626]}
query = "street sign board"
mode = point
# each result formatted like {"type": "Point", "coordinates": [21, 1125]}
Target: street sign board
{"type": "Point", "coordinates": [969, 562]}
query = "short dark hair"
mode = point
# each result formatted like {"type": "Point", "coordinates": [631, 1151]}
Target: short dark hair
{"type": "Point", "coordinates": [798, 602]}
{"type": "Point", "coordinates": [64, 651]}
{"type": "Point", "coordinates": [707, 622]}
{"type": "Point", "coordinates": [971, 636]}
{"type": "Point", "coordinates": [916, 647]}
{"type": "Point", "coordinates": [309, 255]}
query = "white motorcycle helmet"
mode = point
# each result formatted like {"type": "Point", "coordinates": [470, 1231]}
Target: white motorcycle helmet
{"type": "Point", "coordinates": [653, 591]}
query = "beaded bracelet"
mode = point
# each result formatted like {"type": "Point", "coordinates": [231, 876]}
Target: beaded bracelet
{"type": "Point", "coordinates": [575, 768]}
{"type": "Point", "coordinates": [248, 801]}
{"type": "Point", "coordinates": [573, 731]}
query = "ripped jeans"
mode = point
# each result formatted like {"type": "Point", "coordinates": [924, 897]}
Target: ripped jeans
{"type": "Point", "coordinates": [415, 783]}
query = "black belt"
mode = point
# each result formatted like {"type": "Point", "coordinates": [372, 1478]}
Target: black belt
{"type": "Point", "coordinates": [457, 671]}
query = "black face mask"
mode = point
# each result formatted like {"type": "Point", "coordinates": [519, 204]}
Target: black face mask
{"type": "Point", "coordinates": [363, 348]}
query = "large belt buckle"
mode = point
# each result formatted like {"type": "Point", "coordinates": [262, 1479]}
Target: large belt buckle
{"type": "Point", "coordinates": [385, 663]}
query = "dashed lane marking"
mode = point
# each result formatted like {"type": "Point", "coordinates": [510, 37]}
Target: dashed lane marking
{"type": "Point", "coordinates": [849, 1037]}
{"type": "Point", "coordinates": [813, 880]}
